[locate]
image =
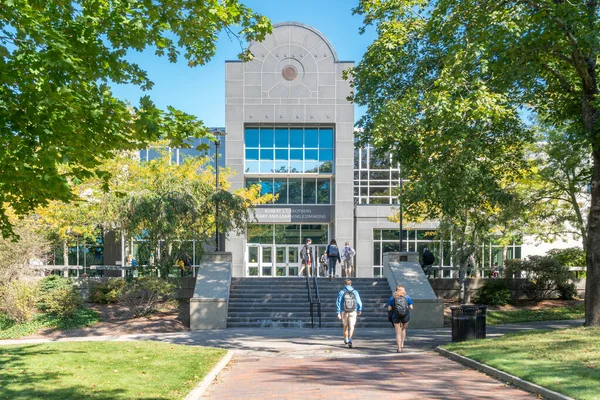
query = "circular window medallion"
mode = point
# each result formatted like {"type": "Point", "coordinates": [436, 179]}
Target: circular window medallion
{"type": "Point", "coordinates": [289, 72]}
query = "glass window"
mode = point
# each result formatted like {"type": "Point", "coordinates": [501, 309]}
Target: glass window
{"type": "Point", "coordinates": [267, 138]}
{"type": "Point", "coordinates": [376, 234]}
{"type": "Point", "coordinates": [266, 166]}
{"type": "Point", "coordinates": [295, 189]}
{"type": "Point", "coordinates": [266, 154]}
{"type": "Point", "coordinates": [318, 233]}
{"type": "Point", "coordinates": [280, 188]}
{"type": "Point", "coordinates": [251, 181]}
{"type": "Point", "coordinates": [311, 167]}
{"type": "Point", "coordinates": [325, 167]}
{"type": "Point", "coordinates": [309, 194]}
{"type": "Point", "coordinates": [296, 167]}
{"type": "Point", "coordinates": [326, 155]}
{"type": "Point", "coordinates": [153, 154]}
{"type": "Point", "coordinates": [251, 154]}
{"type": "Point", "coordinates": [426, 235]}
{"type": "Point", "coordinates": [281, 167]}
{"type": "Point", "coordinates": [281, 154]}
{"type": "Point", "coordinates": [287, 234]}
{"type": "Point", "coordinates": [326, 138]}
{"type": "Point", "coordinates": [267, 186]}
{"type": "Point", "coordinates": [390, 234]}
{"type": "Point", "coordinates": [311, 138]}
{"type": "Point", "coordinates": [251, 167]}
{"type": "Point", "coordinates": [363, 159]}
{"type": "Point", "coordinates": [253, 254]}
{"type": "Point", "coordinates": [258, 233]}
{"type": "Point", "coordinates": [296, 137]}
{"type": "Point", "coordinates": [311, 154]}
{"type": "Point", "coordinates": [281, 138]}
{"type": "Point", "coordinates": [251, 137]}
{"type": "Point", "coordinates": [323, 191]}
{"type": "Point", "coordinates": [377, 253]}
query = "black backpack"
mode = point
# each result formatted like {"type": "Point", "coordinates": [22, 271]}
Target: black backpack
{"type": "Point", "coordinates": [333, 250]}
{"type": "Point", "coordinates": [401, 306]}
{"type": "Point", "coordinates": [349, 301]}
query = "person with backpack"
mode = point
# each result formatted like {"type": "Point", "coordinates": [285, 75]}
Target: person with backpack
{"type": "Point", "coordinates": [305, 258]}
{"type": "Point", "coordinates": [348, 254]}
{"type": "Point", "coordinates": [399, 305]}
{"type": "Point", "coordinates": [348, 306]}
{"type": "Point", "coordinates": [333, 256]}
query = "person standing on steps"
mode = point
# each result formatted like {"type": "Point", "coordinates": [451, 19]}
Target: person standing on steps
{"type": "Point", "coordinates": [399, 305]}
{"type": "Point", "coordinates": [333, 257]}
{"type": "Point", "coordinates": [348, 254]}
{"type": "Point", "coordinates": [348, 306]}
{"type": "Point", "coordinates": [305, 257]}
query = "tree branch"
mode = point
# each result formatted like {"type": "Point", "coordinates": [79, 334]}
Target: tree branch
{"type": "Point", "coordinates": [561, 78]}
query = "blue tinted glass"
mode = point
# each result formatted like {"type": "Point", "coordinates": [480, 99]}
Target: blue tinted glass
{"type": "Point", "coordinates": [326, 155]}
{"type": "Point", "coordinates": [251, 154]}
{"type": "Point", "coordinates": [266, 186]}
{"type": "Point", "coordinates": [251, 137]}
{"type": "Point", "coordinates": [153, 154]}
{"type": "Point", "coordinates": [311, 154]}
{"type": "Point", "coordinates": [311, 138]}
{"type": "Point", "coordinates": [267, 137]}
{"type": "Point", "coordinates": [281, 167]}
{"type": "Point", "coordinates": [281, 154]}
{"type": "Point", "coordinates": [325, 167]}
{"type": "Point", "coordinates": [296, 137]}
{"type": "Point", "coordinates": [266, 154]}
{"type": "Point", "coordinates": [326, 138]}
{"type": "Point", "coordinates": [266, 166]}
{"type": "Point", "coordinates": [296, 155]}
{"type": "Point", "coordinates": [311, 167]}
{"type": "Point", "coordinates": [143, 155]}
{"type": "Point", "coordinates": [296, 167]}
{"type": "Point", "coordinates": [281, 137]}
{"type": "Point", "coordinates": [251, 181]}
{"type": "Point", "coordinates": [323, 191]}
{"type": "Point", "coordinates": [251, 166]}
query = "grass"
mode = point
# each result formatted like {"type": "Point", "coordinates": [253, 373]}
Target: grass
{"type": "Point", "coordinates": [566, 360]}
{"type": "Point", "coordinates": [103, 370]}
{"type": "Point", "coordinates": [548, 314]}
{"type": "Point", "coordinates": [12, 330]}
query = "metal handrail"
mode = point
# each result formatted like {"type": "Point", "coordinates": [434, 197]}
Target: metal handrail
{"type": "Point", "coordinates": [310, 300]}
{"type": "Point", "coordinates": [318, 298]}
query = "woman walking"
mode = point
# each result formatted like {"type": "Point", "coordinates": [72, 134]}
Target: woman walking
{"type": "Point", "coordinates": [333, 256]}
{"type": "Point", "coordinates": [399, 306]}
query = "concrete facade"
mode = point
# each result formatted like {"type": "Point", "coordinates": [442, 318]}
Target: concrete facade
{"type": "Point", "coordinates": [258, 94]}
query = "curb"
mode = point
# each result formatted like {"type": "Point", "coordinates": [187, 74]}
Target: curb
{"type": "Point", "coordinates": [199, 390]}
{"type": "Point", "coordinates": [503, 376]}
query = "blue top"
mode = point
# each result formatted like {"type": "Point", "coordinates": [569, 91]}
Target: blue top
{"type": "Point", "coordinates": [391, 303]}
{"type": "Point", "coordinates": [338, 254]}
{"type": "Point", "coordinates": [340, 299]}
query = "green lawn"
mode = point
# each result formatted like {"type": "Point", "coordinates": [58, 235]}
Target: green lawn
{"type": "Point", "coordinates": [11, 330]}
{"type": "Point", "coordinates": [564, 360]}
{"type": "Point", "coordinates": [548, 314]}
{"type": "Point", "coordinates": [103, 370]}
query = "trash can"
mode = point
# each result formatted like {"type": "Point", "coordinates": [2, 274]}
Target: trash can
{"type": "Point", "coordinates": [464, 323]}
{"type": "Point", "coordinates": [481, 322]}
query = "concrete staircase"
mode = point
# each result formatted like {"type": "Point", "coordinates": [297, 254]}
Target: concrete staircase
{"type": "Point", "coordinates": [283, 302]}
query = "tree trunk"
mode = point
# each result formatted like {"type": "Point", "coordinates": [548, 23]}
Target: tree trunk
{"type": "Point", "coordinates": [592, 285]}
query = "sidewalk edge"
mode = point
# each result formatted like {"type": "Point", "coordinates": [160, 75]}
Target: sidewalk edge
{"type": "Point", "coordinates": [199, 390]}
{"type": "Point", "coordinates": [503, 376]}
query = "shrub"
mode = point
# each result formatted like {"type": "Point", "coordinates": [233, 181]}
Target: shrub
{"type": "Point", "coordinates": [58, 296]}
{"type": "Point", "coordinates": [544, 275]}
{"type": "Point", "coordinates": [494, 292]}
{"type": "Point", "coordinates": [571, 257]}
{"type": "Point", "coordinates": [17, 300]}
{"type": "Point", "coordinates": [142, 295]}
{"type": "Point", "coordinates": [107, 292]}
{"type": "Point", "coordinates": [567, 291]}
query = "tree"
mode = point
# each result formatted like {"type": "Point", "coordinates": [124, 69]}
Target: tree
{"type": "Point", "coordinates": [57, 61]}
{"type": "Point", "coordinates": [458, 73]}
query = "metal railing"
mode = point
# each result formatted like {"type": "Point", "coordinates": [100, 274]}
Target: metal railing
{"type": "Point", "coordinates": [310, 300]}
{"type": "Point", "coordinates": [318, 297]}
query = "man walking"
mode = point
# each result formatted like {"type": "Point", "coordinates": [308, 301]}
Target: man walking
{"type": "Point", "coordinates": [428, 260]}
{"type": "Point", "coordinates": [348, 307]}
{"type": "Point", "coordinates": [348, 254]}
{"type": "Point", "coordinates": [306, 258]}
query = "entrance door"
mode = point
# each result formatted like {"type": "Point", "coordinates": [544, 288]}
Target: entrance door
{"type": "Point", "coordinates": [281, 262]}
{"type": "Point", "coordinates": [266, 264]}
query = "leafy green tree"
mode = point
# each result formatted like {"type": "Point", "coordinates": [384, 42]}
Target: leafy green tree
{"type": "Point", "coordinates": [445, 82]}
{"type": "Point", "coordinates": [57, 62]}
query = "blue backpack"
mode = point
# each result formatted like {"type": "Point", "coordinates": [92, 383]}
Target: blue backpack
{"type": "Point", "coordinates": [333, 251]}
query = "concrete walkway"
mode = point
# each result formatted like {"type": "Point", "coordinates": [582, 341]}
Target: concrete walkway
{"type": "Point", "coordinates": [314, 363]}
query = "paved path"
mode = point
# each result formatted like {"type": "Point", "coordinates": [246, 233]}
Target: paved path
{"type": "Point", "coordinates": [305, 363]}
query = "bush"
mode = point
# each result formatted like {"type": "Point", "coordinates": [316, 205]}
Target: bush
{"type": "Point", "coordinates": [107, 292]}
{"type": "Point", "coordinates": [544, 275]}
{"type": "Point", "coordinates": [571, 257]}
{"type": "Point", "coordinates": [58, 296]}
{"type": "Point", "coordinates": [17, 300]}
{"type": "Point", "coordinates": [567, 291]}
{"type": "Point", "coordinates": [142, 295]}
{"type": "Point", "coordinates": [494, 292]}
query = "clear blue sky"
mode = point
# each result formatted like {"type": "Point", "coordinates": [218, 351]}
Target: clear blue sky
{"type": "Point", "coordinates": [201, 91]}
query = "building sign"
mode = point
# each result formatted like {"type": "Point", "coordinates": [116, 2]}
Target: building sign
{"type": "Point", "coordinates": [306, 214]}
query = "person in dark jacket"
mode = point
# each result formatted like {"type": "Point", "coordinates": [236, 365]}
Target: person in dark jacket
{"type": "Point", "coordinates": [428, 260]}
{"type": "Point", "coordinates": [333, 256]}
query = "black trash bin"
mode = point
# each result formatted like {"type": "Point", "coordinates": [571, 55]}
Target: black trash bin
{"type": "Point", "coordinates": [481, 322]}
{"type": "Point", "coordinates": [464, 323]}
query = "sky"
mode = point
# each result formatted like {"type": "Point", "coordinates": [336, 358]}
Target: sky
{"type": "Point", "coordinates": [200, 91]}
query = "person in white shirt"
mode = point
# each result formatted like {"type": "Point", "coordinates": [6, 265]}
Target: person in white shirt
{"type": "Point", "coordinates": [348, 254]}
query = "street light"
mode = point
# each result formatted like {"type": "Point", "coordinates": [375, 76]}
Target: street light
{"type": "Point", "coordinates": [400, 208]}
{"type": "Point", "coordinates": [217, 132]}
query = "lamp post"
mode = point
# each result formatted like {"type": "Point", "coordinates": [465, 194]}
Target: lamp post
{"type": "Point", "coordinates": [400, 209]}
{"type": "Point", "coordinates": [217, 144]}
